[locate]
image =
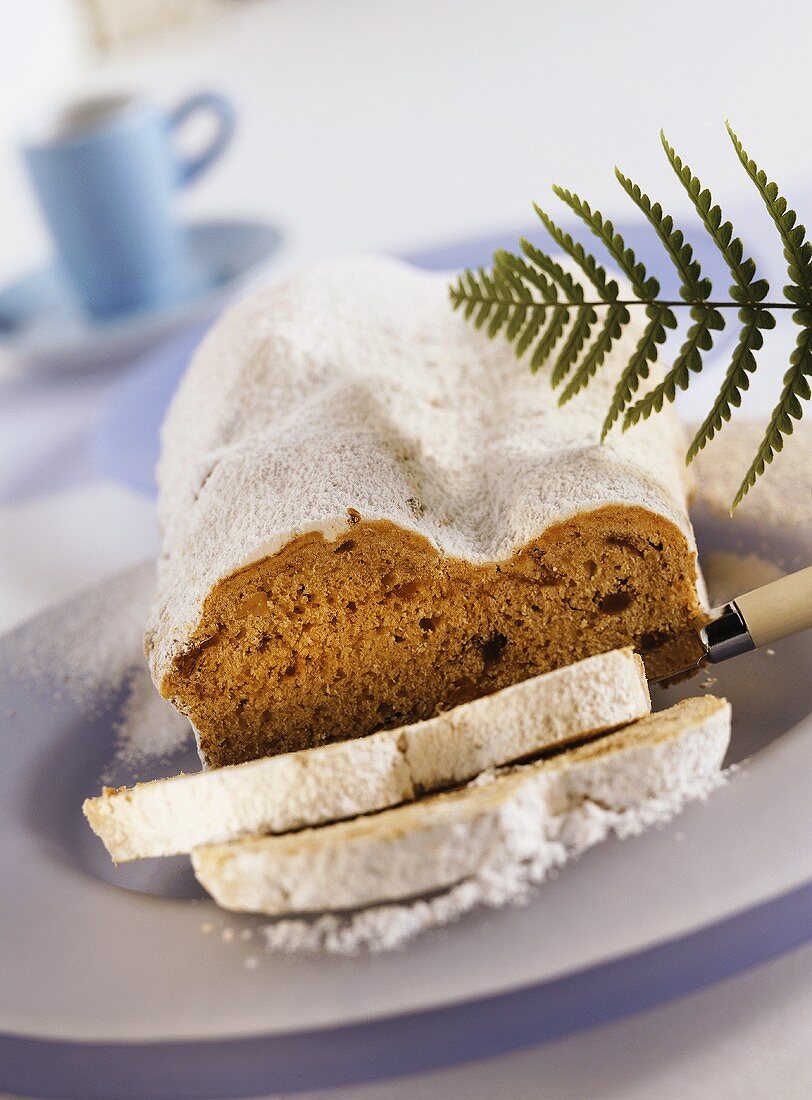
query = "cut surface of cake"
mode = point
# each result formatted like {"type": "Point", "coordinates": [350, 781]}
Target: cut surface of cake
{"type": "Point", "coordinates": [370, 512]}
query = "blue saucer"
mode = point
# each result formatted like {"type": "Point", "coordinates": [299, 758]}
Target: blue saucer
{"type": "Point", "coordinates": [127, 442]}
{"type": "Point", "coordinates": [44, 328]}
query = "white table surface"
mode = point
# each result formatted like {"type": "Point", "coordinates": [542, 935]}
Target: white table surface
{"type": "Point", "coordinates": [380, 125]}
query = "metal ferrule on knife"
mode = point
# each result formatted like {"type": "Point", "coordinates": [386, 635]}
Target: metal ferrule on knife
{"type": "Point", "coordinates": [726, 635]}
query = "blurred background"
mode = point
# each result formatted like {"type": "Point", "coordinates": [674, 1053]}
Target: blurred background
{"type": "Point", "coordinates": [421, 128]}
{"type": "Point", "coordinates": [416, 128]}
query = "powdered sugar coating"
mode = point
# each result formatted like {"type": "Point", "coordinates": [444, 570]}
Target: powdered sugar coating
{"type": "Point", "coordinates": [354, 385]}
{"type": "Point", "coordinates": [536, 815]}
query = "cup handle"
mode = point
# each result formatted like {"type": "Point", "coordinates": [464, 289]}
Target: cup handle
{"type": "Point", "coordinates": [189, 169]}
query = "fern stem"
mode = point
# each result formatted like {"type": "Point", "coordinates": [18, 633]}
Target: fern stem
{"type": "Point", "coordinates": [668, 303]}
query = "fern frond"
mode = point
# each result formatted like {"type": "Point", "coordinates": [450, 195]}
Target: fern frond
{"type": "Point", "coordinates": [573, 291]}
{"type": "Point", "coordinates": [541, 308]}
{"type": "Point", "coordinates": [689, 360]}
{"type": "Point", "coordinates": [638, 367]}
{"type": "Point", "coordinates": [617, 317]}
{"type": "Point", "coordinates": [746, 288]}
{"type": "Point", "coordinates": [494, 299]}
{"type": "Point", "coordinates": [538, 263]}
{"type": "Point", "coordinates": [515, 270]}
{"type": "Point", "coordinates": [693, 286]}
{"type": "Point", "coordinates": [742, 365]}
{"type": "Point", "coordinates": [645, 287]}
{"type": "Point", "coordinates": [796, 389]}
{"type": "Point", "coordinates": [798, 254]}
{"type": "Point", "coordinates": [530, 331]}
{"type": "Point", "coordinates": [528, 273]}
{"type": "Point", "coordinates": [797, 250]}
{"type": "Point", "coordinates": [585, 318]}
{"type": "Point", "coordinates": [520, 297]}
{"type": "Point", "coordinates": [550, 337]}
{"type": "Point", "coordinates": [607, 288]}
{"type": "Point", "coordinates": [500, 301]}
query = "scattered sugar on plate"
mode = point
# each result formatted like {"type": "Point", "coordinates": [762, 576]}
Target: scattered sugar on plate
{"type": "Point", "coordinates": [148, 728]}
{"type": "Point", "coordinates": [89, 650]}
{"type": "Point", "coordinates": [498, 882]}
{"type": "Point", "coordinates": [85, 648]}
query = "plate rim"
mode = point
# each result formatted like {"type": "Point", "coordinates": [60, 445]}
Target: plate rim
{"type": "Point", "coordinates": [438, 1036]}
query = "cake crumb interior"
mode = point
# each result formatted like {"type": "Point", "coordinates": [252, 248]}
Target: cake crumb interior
{"type": "Point", "coordinates": [325, 641]}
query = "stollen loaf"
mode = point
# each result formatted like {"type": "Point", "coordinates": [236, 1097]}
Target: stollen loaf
{"type": "Point", "coordinates": [370, 512]}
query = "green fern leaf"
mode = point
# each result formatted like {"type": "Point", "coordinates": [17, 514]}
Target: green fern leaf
{"type": "Point", "coordinates": [517, 273]}
{"type": "Point", "coordinates": [518, 296]}
{"type": "Point", "coordinates": [550, 337]}
{"type": "Point", "coordinates": [488, 301]}
{"type": "Point", "coordinates": [540, 308]}
{"type": "Point", "coordinates": [659, 318]}
{"type": "Point", "coordinates": [797, 250]}
{"type": "Point", "coordinates": [796, 389]}
{"type": "Point", "coordinates": [538, 264]}
{"type": "Point", "coordinates": [689, 359]}
{"type": "Point", "coordinates": [617, 317]}
{"type": "Point", "coordinates": [693, 287]}
{"type": "Point", "coordinates": [645, 287]}
{"type": "Point", "coordinates": [585, 318]}
{"type": "Point", "coordinates": [607, 288]}
{"type": "Point", "coordinates": [527, 273]}
{"type": "Point", "coordinates": [742, 365]}
{"type": "Point", "coordinates": [746, 288]}
{"type": "Point", "coordinates": [573, 291]}
{"type": "Point", "coordinates": [798, 254]}
{"type": "Point", "coordinates": [531, 330]}
{"type": "Point", "coordinates": [638, 367]}
{"type": "Point", "coordinates": [501, 300]}
{"type": "Point", "coordinates": [501, 297]}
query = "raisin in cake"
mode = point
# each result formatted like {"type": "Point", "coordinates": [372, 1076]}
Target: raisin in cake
{"type": "Point", "coordinates": [371, 512]}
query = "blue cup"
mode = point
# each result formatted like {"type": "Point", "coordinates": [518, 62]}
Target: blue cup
{"type": "Point", "coordinates": [105, 173]}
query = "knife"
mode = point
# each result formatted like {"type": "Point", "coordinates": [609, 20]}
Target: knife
{"type": "Point", "coordinates": [767, 614]}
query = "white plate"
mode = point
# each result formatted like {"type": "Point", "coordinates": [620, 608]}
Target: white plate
{"type": "Point", "coordinates": [162, 1009]}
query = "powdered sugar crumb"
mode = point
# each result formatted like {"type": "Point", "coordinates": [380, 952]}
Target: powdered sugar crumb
{"type": "Point", "coordinates": [497, 883]}
{"type": "Point", "coordinates": [85, 648]}
{"type": "Point", "coordinates": [148, 729]}
{"type": "Point", "coordinates": [89, 650]}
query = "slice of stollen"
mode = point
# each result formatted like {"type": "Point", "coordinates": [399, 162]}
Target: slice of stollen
{"type": "Point", "coordinates": [540, 813]}
{"type": "Point", "coordinates": [341, 780]}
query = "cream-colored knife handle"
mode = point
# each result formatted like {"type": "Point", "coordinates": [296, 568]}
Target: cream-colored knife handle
{"type": "Point", "coordinates": [778, 609]}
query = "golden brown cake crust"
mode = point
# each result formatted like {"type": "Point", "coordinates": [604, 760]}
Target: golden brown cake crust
{"type": "Point", "coordinates": [327, 640]}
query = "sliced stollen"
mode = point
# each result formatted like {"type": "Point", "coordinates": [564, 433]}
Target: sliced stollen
{"type": "Point", "coordinates": [543, 812]}
{"type": "Point", "coordinates": [341, 780]}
